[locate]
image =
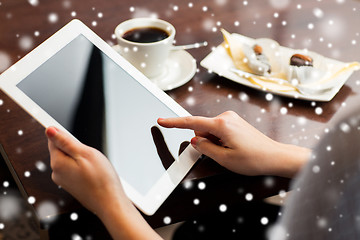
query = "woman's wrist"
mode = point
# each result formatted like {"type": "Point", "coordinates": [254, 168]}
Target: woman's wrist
{"type": "Point", "coordinates": [115, 203]}
{"type": "Point", "coordinates": [123, 220]}
{"type": "Point", "coordinates": [288, 159]}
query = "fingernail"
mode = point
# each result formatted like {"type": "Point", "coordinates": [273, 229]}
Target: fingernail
{"type": "Point", "coordinates": [160, 119]}
{"type": "Point", "coordinates": [194, 141]}
{"type": "Point", "coordinates": [51, 131]}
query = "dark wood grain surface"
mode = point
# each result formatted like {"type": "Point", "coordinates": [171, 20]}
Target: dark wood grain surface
{"type": "Point", "coordinates": [327, 27]}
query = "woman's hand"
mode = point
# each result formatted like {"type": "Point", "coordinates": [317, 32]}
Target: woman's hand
{"type": "Point", "coordinates": [89, 176]}
{"type": "Point", "coordinates": [238, 146]}
{"type": "Point", "coordinates": [83, 171]}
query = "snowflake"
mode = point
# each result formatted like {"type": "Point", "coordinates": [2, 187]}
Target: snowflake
{"type": "Point", "coordinates": [283, 110]}
{"type": "Point", "coordinates": [269, 182]}
{"type": "Point", "coordinates": [26, 43]}
{"type": "Point", "coordinates": [34, 2]}
{"type": "Point", "coordinates": [222, 208]}
{"type": "Point", "coordinates": [31, 200]}
{"type": "Point", "coordinates": [167, 220]}
{"type": "Point", "coordinates": [76, 236]}
{"type": "Point", "coordinates": [340, 1]}
{"type": "Point", "coordinates": [188, 184]}
{"type": "Point", "coordinates": [47, 209]}
{"type": "Point", "coordinates": [279, 4]}
{"type": "Point", "coordinates": [318, 110]}
{"type": "Point", "coordinates": [74, 216]}
{"type": "Point", "coordinates": [249, 197]}
{"type": "Point", "coordinates": [220, 2]}
{"type": "Point", "coordinates": [190, 101]}
{"type": "Point", "coordinates": [142, 12]}
{"type": "Point", "coordinates": [277, 232]}
{"type": "Point", "coordinates": [316, 169]}
{"type": "Point", "coordinates": [53, 17]}
{"type": "Point", "coordinates": [322, 222]}
{"type": "Point", "coordinates": [345, 127]}
{"type": "Point", "coordinates": [201, 185]}
{"type": "Point", "coordinates": [282, 193]}
{"type": "Point", "coordinates": [269, 96]}
{"type": "Point", "coordinates": [318, 12]}
{"type": "Point", "coordinates": [6, 184]}
{"type": "Point", "coordinates": [243, 97]}
{"type": "Point", "coordinates": [40, 166]}
{"type": "Point", "coordinates": [264, 220]}
{"type": "Point", "coordinates": [301, 120]}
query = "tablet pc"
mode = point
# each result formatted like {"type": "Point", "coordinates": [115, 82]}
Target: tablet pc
{"type": "Point", "coordinates": [77, 82]}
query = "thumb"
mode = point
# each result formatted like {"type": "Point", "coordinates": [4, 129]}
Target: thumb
{"type": "Point", "coordinates": [63, 141]}
{"type": "Point", "coordinates": [208, 148]}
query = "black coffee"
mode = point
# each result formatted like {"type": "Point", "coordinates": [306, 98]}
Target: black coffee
{"type": "Point", "coordinates": [145, 35]}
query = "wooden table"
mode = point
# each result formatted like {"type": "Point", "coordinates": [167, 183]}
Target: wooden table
{"type": "Point", "coordinates": [328, 28]}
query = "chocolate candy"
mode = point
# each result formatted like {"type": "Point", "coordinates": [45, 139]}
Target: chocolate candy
{"type": "Point", "coordinates": [262, 58]}
{"type": "Point", "coordinates": [301, 60]}
{"type": "Point", "coordinates": [257, 49]}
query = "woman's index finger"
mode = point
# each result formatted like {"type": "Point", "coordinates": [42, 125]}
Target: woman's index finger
{"type": "Point", "coordinates": [201, 124]}
{"type": "Point", "coordinates": [63, 141]}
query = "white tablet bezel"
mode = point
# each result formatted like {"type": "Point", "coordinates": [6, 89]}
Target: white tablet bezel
{"type": "Point", "coordinates": [15, 74]}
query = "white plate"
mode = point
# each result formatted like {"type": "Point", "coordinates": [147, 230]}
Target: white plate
{"type": "Point", "coordinates": [218, 61]}
{"type": "Point", "coordinates": [180, 67]}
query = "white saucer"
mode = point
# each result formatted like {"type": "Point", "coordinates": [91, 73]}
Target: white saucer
{"type": "Point", "coordinates": [180, 67]}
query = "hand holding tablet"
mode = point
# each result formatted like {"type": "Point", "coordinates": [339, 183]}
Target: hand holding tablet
{"type": "Point", "coordinates": [76, 82]}
{"type": "Point", "coordinates": [87, 175]}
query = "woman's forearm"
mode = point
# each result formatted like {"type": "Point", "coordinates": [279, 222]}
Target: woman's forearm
{"type": "Point", "coordinates": [123, 221]}
{"type": "Point", "coordinates": [288, 159]}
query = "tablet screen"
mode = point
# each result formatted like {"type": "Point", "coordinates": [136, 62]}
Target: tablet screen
{"type": "Point", "coordinates": [106, 108]}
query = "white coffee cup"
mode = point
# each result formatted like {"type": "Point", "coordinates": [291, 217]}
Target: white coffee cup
{"type": "Point", "coordinates": [148, 57]}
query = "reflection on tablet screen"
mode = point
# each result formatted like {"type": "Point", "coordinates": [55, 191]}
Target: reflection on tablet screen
{"type": "Point", "coordinates": [104, 107]}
